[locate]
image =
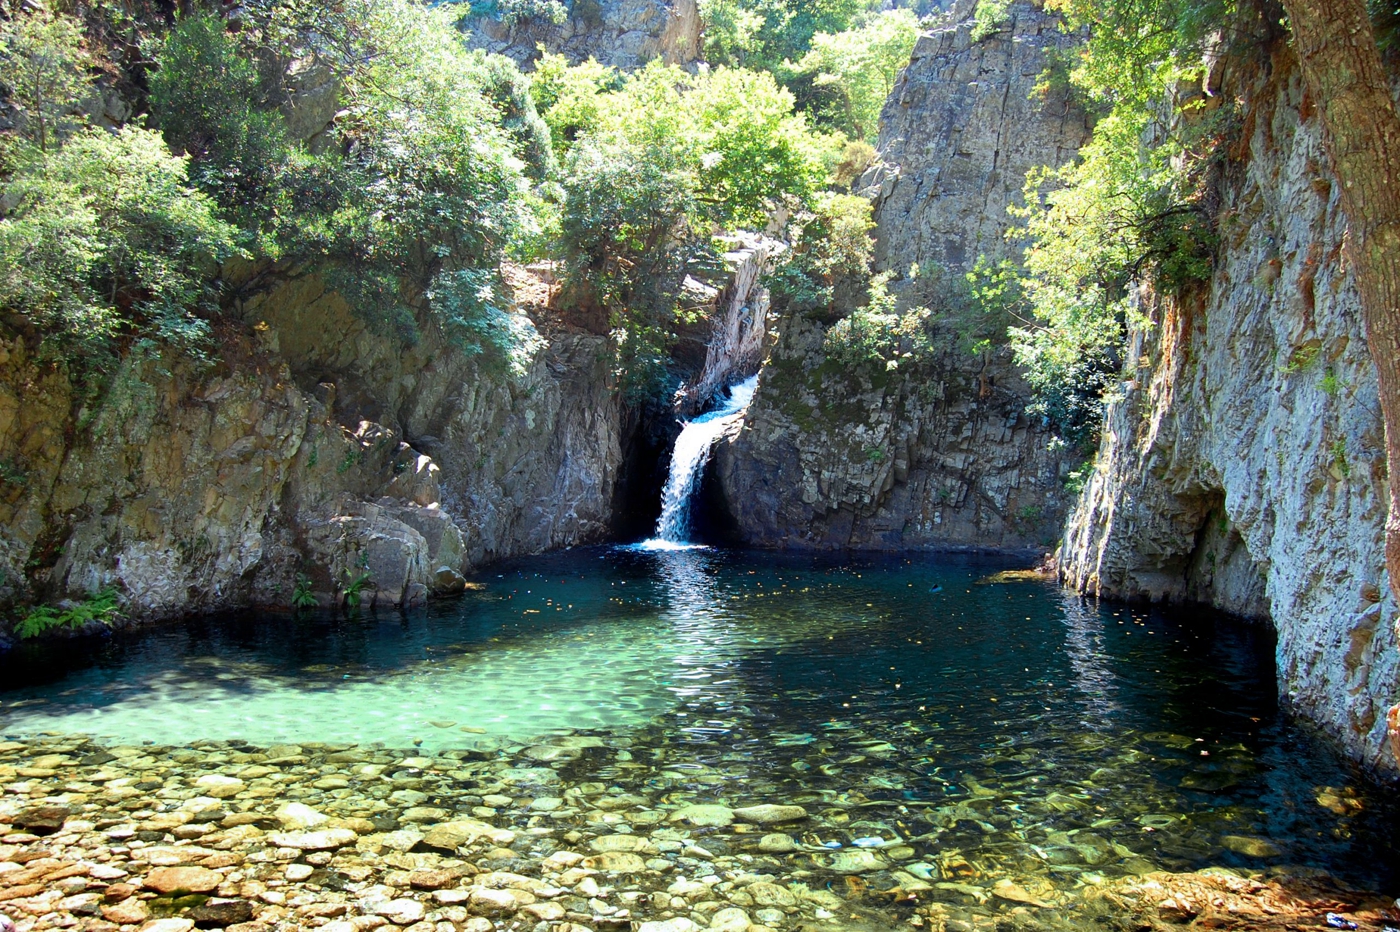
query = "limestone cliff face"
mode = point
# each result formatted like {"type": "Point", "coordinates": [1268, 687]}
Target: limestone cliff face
{"type": "Point", "coordinates": [939, 455]}
{"type": "Point", "coordinates": [1244, 465]}
{"type": "Point", "coordinates": [624, 33]}
{"type": "Point", "coordinates": [312, 446]}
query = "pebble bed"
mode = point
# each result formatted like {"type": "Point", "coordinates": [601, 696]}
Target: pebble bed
{"type": "Point", "coordinates": [499, 836]}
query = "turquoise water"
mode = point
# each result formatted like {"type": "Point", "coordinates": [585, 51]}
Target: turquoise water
{"type": "Point", "coordinates": [1007, 722]}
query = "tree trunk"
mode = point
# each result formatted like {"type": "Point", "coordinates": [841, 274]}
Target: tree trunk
{"type": "Point", "coordinates": [1343, 70]}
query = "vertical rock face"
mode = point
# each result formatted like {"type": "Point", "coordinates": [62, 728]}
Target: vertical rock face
{"type": "Point", "coordinates": [623, 33]}
{"type": "Point", "coordinates": [940, 454]}
{"type": "Point", "coordinates": [313, 447]}
{"type": "Point", "coordinates": [959, 133]}
{"type": "Point", "coordinates": [1244, 464]}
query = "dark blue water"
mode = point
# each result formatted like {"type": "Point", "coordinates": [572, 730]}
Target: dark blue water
{"type": "Point", "coordinates": [920, 701]}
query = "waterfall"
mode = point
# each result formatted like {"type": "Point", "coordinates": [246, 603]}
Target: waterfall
{"type": "Point", "coordinates": [688, 459]}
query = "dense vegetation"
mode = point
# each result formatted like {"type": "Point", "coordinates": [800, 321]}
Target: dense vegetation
{"type": "Point", "coordinates": [439, 163]}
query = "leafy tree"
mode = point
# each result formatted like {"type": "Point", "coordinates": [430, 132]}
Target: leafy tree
{"type": "Point", "coordinates": [109, 241]}
{"type": "Point", "coordinates": [45, 72]}
{"type": "Point", "coordinates": [1130, 208]}
{"type": "Point", "coordinates": [210, 102]}
{"type": "Point", "coordinates": [862, 64]}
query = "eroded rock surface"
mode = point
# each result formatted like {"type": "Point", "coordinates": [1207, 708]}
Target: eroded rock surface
{"type": "Point", "coordinates": [624, 33]}
{"type": "Point", "coordinates": [1244, 465]}
{"type": "Point", "coordinates": [941, 454]}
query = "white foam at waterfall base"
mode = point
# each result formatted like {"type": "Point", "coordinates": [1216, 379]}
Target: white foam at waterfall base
{"type": "Point", "coordinates": [688, 460]}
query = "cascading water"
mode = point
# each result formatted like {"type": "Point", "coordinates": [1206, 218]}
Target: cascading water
{"type": "Point", "coordinates": [688, 459]}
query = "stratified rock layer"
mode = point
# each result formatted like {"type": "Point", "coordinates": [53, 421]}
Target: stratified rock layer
{"type": "Point", "coordinates": [1244, 464]}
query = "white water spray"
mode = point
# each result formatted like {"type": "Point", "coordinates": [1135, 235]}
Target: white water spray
{"type": "Point", "coordinates": [688, 459]}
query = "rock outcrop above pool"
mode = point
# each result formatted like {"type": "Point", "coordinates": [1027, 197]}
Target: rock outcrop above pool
{"type": "Point", "coordinates": [942, 454]}
{"type": "Point", "coordinates": [311, 453]}
{"type": "Point", "coordinates": [623, 33]}
{"type": "Point", "coordinates": [1244, 464]}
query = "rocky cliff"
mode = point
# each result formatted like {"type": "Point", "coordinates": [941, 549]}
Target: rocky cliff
{"type": "Point", "coordinates": [310, 447]}
{"type": "Point", "coordinates": [1244, 464]}
{"type": "Point", "coordinates": [940, 455]}
{"type": "Point", "coordinates": [623, 33]}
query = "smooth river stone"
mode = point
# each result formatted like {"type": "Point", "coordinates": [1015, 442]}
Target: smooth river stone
{"type": "Point", "coordinates": [856, 861]}
{"type": "Point", "coordinates": [1250, 847]}
{"type": "Point", "coordinates": [705, 816]}
{"type": "Point", "coordinates": [770, 814]}
{"type": "Point", "coordinates": [219, 786]}
{"type": "Point", "coordinates": [617, 862]}
{"type": "Point", "coordinates": [183, 880]}
{"type": "Point", "coordinates": [777, 843]}
{"type": "Point", "coordinates": [449, 836]}
{"type": "Point", "coordinates": [327, 840]}
{"type": "Point", "coordinates": [296, 816]}
{"type": "Point", "coordinates": [606, 843]}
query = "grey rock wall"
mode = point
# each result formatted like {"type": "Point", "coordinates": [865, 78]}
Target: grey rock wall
{"type": "Point", "coordinates": [941, 455]}
{"type": "Point", "coordinates": [1244, 465]}
{"type": "Point", "coordinates": [623, 33]}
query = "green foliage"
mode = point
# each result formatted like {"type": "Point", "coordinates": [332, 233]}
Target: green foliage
{"type": "Point", "coordinates": [108, 241]}
{"type": "Point", "coordinates": [763, 34]}
{"type": "Point", "coordinates": [469, 309]}
{"type": "Point", "coordinates": [861, 64]}
{"type": "Point", "coordinates": [211, 104]}
{"type": "Point", "coordinates": [44, 70]}
{"type": "Point", "coordinates": [353, 588]}
{"type": "Point", "coordinates": [659, 164]}
{"type": "Point", "coordinates": [518, 11]}
{"type": "Point", "coordinates": [989, 18]}
{"type": "Point", "coordinates": [1130, 209]}
{"type": "Point", "coordinates": [825, 273]}
{"type": "Point", "coordinates": [510, 92]}
{"type": "Point", "coordinates": [302, 594]}
{"type": "Point", "coordinates": [102, 607]}
{"type": "Point", "coordinates": [878, 333]}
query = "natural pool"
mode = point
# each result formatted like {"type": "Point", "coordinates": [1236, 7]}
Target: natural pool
{"type": "Point", "coordinates": [941, 724]}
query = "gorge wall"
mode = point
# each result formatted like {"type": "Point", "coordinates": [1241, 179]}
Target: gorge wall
{"type": "Point", "coordinates": [941, 455]}
{"type": "Point", "coordinates": [623, 33]}
{"type": "Point", "coordinates": [1244, 463]}
{"type": "Point", "coordinates": [310, 446]}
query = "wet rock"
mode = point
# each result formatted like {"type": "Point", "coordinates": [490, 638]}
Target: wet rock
{"type": "Point", "coordinates": [183, 880]}
{"type": "Point", "coordinates": [856, 861]}
{"type": "Point", "coordinates": [730, 919]}
{"type": "Point", "coordinates": [770, 894]}
{"type": "Point", "coordinates": [43, 820]}
{"type": "Point", "coordinates": [777, 843]}
{"type": "Point", "coordinates": [401, 912]}
{"type": "Point", "coordinates": [679, 924]}
{"type": "Point", "coordinates": [168, 925]}
{"type": "Point", "coordinates": [1015, 893]}
{"type": "Point", "coordinates": [326, 840]}
{"type": "Point", "coordinates": [219, 786]}
{"type": "Point", "coordinates": [129, 911]}
{"type": "Point", "coordinates": [488, 902]}
{"type": "Point", "coordinates": [449, 836]}
{"type": "Point", "coordinates": [618, 862]}
{"type": "Point", "coordinates": [635, 843]}
{"type": "Point", "coordinates": [217, 913]}
{"type": "Point", "coordinates": [770, 814]}
{"type": "Point", "coordinates": [1251, 847]}
{"type": "Point", "coordinates": [297, 816]}
{"type": "Point", "coordinates": [704, 816]}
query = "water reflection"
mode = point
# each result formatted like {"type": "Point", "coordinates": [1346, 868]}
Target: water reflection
{"type": "Point", "coordinates": [1092, 676]}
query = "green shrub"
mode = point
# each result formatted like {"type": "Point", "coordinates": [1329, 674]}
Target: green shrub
{"type": "Point", "coordinates": [210, 103]}
{"type": "Point", "coordinates": [1132, 208]}
{"type": "Point", "coordinates": [102, 607]}
{"type": "Point", "coordinates": [878, 333]}
{"type": "Point", "coordinates": [861, 64]}
{"type": "Point", "coordinates": [107, 242]}
{"type": "Point", "coordinates": [825, 274]}
{"type": "Point", "coordinates": [45, 74]}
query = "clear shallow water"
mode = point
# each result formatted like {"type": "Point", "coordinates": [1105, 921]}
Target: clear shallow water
{"type": "Point", "coordinates": [1006, 725]}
